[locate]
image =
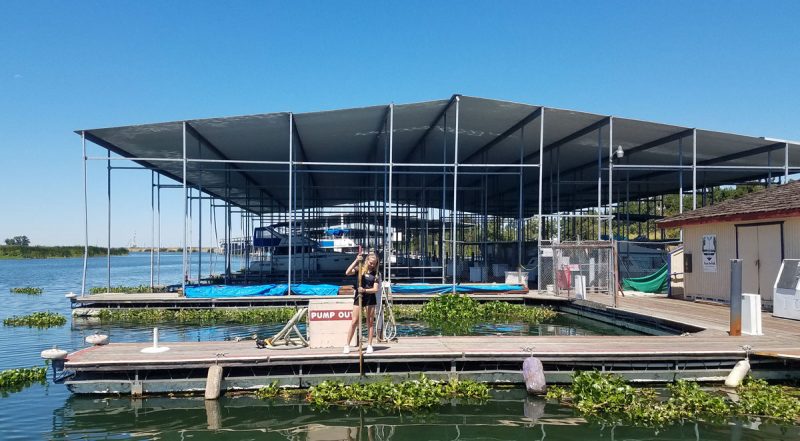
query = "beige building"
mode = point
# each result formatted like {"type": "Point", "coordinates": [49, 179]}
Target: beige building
{"type": "Point", "coordinates": [761, 228]}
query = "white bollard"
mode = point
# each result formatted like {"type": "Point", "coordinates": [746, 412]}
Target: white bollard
{"type": "Point", "coordinates": [738, 373]}
{"type": "Point", "coordinates": [155, 348]}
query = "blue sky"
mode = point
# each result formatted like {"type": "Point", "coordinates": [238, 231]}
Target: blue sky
{"type": "Point", "coordinates": [724, 65]}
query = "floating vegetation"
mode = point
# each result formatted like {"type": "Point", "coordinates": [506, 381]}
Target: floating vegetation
{"type": "Point", "coordinates": [456, 314]}
{"type": "Point", "coordinates": [199, 316]}
{"type": "Point", "coordinates": [608, 398]}
{"type": "Point", "coordinates": [26, 290]}
{"type": "Point", "coordinates": [14, 380]}
{"type": "Point", "coordinates": [407, 395]}
{"type": "Point", "coordinates": [36, 320]}
{"type": "Point", "coordinates": [138, 289]}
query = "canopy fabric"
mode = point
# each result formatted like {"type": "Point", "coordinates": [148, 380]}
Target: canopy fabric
{"type": "Point", "coordinates": [431, 288]}
{"type": "Point", "coordinates": [268, 290]}
{"type": "Point", "coordinates": [653, 283]}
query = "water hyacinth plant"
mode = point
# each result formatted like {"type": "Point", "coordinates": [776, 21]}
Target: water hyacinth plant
{"type": "Point", "coordinates": [455, 314]}
{"type": "Point", "coordinates": [407, 395]}
{"type": "Point", "coordinates": [31, 290]}
{"type": "Point", "coordinates": [608, 398]}
{"type": "Point", "coordinates": [37, 320]}
{"type": "Point", "coordinates": [199, 316]}
{"type": "Point", "coordinates": [14, 380]}
{"type": "Point", "coordinates": [138, 289]}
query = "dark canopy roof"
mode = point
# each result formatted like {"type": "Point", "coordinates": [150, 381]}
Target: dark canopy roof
{"type": "Point", "coordinates": [489, 132]}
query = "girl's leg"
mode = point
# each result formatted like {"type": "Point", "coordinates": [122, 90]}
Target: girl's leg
{"type": "Point", "coordinates": [353, 324]}
{"type": "Point", "coordinates": [370, 322]}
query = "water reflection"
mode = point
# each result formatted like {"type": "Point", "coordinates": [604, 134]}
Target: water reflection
{"type": "Point", "coordinates": [509, 415]}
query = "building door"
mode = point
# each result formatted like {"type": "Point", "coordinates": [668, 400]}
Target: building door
{"type": "Point", "coordinates": [760, 248]}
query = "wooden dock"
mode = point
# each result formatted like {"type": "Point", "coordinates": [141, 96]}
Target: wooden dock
{"type": "Point", "coordinates": [706, 355]}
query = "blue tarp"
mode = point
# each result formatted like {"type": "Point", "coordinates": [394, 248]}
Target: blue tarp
{"type": "Point", "coordinates": [269, 290]}
{"type": "Point", "coordinates": [429, 288]}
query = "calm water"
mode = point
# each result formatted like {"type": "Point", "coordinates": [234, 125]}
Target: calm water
{"type": "Point", "coordinates": [50, 412]}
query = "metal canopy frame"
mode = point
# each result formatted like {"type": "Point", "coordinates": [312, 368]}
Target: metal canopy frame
{"type": "Point", "coordinates": [482, 151]}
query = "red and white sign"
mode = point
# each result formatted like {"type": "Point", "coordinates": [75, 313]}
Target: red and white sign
{"type": "Point", "coordinates": [330, 314]}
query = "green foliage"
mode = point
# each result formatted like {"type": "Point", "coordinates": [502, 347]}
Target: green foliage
{"type": "Point", "coordinates": [14, 380]}
{"type": "Point", "coordinates": [198, 316]}
{"type": "Point", "coordinates": [608, 398]}
{"type": "Point", "coordinates": [270, 391]}
{"type": "Point", "coordinates": [127, 289]}
{"type": "Point", "coordinates": [757, 398]}
{"type": "Point", "coordinates": [26, 290]}
{"type": "Point", "coordinates": [36, 320]}
{"type": "Point", "coordinates": [39, 252]}
{"type": "Point", "coordinates": [407, 395]}
{"type": "Point", "coordinates": [21, 241]}
{"type": "Point", "coordinates": [455, 314]}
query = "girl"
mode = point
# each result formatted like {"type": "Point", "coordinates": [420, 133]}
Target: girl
{"type": "Point", "coordinates": [370, 282]}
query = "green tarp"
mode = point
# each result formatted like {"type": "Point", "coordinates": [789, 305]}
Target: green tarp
{"type": "Point", "coordinates": [654, 283]}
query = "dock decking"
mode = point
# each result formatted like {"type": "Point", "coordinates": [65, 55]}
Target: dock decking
{"type": "Point", "coordinates": [705, 355]}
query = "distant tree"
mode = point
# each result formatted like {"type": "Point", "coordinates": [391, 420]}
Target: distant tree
{"type": "Point", "coordinates": [21, 241]}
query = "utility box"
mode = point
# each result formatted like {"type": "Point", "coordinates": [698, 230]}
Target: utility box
{"type": "Point", "coordinates": [580, 287]}
{"type": "Point", "coordinates": [329, 321]}
{"type": "Point", "coordinates": [751, 314]}
{"type": "Point", "coordinates": [786, 291]}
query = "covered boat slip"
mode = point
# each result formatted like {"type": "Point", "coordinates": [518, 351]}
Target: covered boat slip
{"type": "Point", "coordinates": [457, 190]}
{"type": "Point", "coordinates": [707, 355]}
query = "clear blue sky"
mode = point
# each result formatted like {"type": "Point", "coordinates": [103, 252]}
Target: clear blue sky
{"type": "Point", "coordinates": [725, 65]}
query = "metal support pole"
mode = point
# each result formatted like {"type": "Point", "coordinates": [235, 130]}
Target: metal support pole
{"type": "Point", "coordinates": [152, 225]}
{"type": "Point", "coordinates": [108, 250]}
{"type": "Point", "coordinates": [455, 197]}
{"type": "Point", "coordinates": [185, 241]}
{"type": "Point", "coordinates": [158, 214]}
{"type": "Point", "coordinates": [387, 253]}
{"type": "Point", "coordinates": [736, 298]}
{"type": "Point", "coordinates": [610, 176]}
{"type": "Point", "coordinates": [519, 213]}
{"type": "Point", "coordinates": [694, 169]}
{"type": "Point", "coordinates": [85, 216]}
{"type": "Point", "coordinates": [599, 183]}
{"type": "Point", "coordinates": [290, 214]}
{"type": "Point", "coordinates": [539, 219]}
{"type": "Point", "coordinates": [786, 163]}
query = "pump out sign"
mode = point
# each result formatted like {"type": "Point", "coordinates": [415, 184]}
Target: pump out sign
{"type": "Point", "coordinates": [329, 314]}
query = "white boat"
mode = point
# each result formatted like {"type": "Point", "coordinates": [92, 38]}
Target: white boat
{"type": "Point", "coordinates": [307, 254]}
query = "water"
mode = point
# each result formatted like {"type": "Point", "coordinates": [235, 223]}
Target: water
{"type": "Point", "coordinates": [50, 412]}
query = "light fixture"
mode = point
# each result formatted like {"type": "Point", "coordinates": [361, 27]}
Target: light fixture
{"type": "Point", "coordinates": [620, 153]}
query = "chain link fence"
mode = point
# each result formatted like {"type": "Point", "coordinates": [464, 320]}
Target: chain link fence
{"type": "Point", "coordinates": [578, 270]}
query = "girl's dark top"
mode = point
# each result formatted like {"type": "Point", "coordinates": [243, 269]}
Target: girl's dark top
{"type": "Point", "coordinates": [368, 280]}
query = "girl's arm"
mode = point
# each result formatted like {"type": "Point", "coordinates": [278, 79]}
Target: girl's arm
{"type": "Point", "coordinates": [351, 270]}
{"type": "Point", "coordinates": [375, 286]}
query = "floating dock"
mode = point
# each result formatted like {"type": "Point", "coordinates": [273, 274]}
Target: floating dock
{"type": "Point", "coordinates": [706, 355]}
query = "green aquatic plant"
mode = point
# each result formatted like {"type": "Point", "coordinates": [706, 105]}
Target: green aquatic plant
{"type": "Point", "coordinates": [407, 395]}
{"type": "Point", "coordinates": [122, 289]}
{"type": "Point", "coordinates": [608, 398]}
{"type": "Point", "coordinates": [26, 290]}
{"type": "Point", "coordinates": [199, 316]}
{"type": "Point", "coordinates": [456, 314]}
{"type": "Point", "coordinates": [36, 320]}
{"type": "Point", "coordinates": [758, 398]}
{"type": "Point", "coordinates": [14, 380]}
{"type": "Point", "coordinates": [269, 391]}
